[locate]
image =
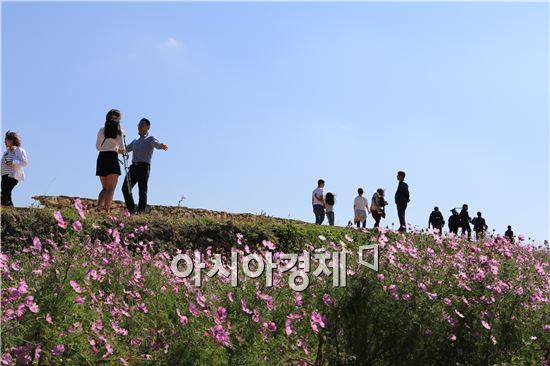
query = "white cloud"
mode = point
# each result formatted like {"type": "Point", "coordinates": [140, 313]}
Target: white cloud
{"type": "Point", "coordinates": [172, 43]}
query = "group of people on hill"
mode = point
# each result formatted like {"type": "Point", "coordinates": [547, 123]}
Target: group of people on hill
{"type": "Point", "coordinates": [324, 204]}
{"type": "Point", "coordinates": [460, 221]}
{"type": "Point", "coordinates": [110, 143]}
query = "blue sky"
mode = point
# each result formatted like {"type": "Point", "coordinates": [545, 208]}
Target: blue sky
{"type": "Point", "coordinates": [258, 100]}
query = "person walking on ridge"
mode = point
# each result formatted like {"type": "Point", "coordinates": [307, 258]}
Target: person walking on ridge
{"type": "Point", "coordinates": [402, 198]}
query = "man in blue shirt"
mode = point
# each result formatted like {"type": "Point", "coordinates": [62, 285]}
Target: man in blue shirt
{"type": "Point", "coordinates": [142, 149]}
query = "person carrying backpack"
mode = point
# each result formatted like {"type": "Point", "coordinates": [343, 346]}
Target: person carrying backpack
{"type": "Point", "coordinates": [479, 226]}
{"type": "Point", "coordinates": [377, 207]}
{"type": "Point", "coordinates": [454, 222]}
{"type": "Point", "coordinates": [436, 220]}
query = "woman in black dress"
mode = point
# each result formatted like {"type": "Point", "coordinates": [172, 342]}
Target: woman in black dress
{"type": "Point", "coordinates": [109, 143]}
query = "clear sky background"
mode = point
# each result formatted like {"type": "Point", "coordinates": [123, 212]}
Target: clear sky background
{"type": "Point", "coordinates": [256, 101]}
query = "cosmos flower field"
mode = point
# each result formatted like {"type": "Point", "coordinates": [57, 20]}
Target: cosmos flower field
{"type": "Point", "coordinates": [85, 289]}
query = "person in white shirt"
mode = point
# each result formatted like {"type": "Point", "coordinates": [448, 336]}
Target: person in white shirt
{"type": "Point", "coordinates": [360, 207]}
{"type": "Point", "coordinates": [109, 143]}
{"type": "Point", "coordinates": [318, 202]}
{"type": "Point", "coordinates": [13, 161]}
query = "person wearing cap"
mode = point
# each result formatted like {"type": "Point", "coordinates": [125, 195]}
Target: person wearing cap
{"type": "Point", "coordinates": [454, 222]}
{"type": "Point", "coordinates": [436, 220]}
{"type": "Point", "coordinates": [142, 152]}
{"type": "Point", "coordinates": [13, 161]}
{"type": "Point", "coordinates": [402, 198]}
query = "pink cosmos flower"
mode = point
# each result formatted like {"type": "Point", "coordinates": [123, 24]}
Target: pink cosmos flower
{"type": "Point", "coordinates": [270, 326]}
{"type": "Point", "coordinates": [75, 286]}
{"type": "Point", "coordinates": [244, 307]}
{"type": "Point", "coordinates": [268, 244]}
{"type": "Point", "coordinates": [80, 208]}
{"type": "Point", "coordinates": [298, 300]}
{"type": "Point", "coordinates": [221, 336]}
{"type": "Point", "coordinates": [183, 319]}
{"type": "Point", "coordinates": [317, 319]}
{"type": "Point", "coordinates": [60, 222]}
{"type": "Point", "coordinates": [485, 325]}
{"type": "Point", "coordinates": [327, 300]}
{"type": "Point", "coordinates": [58, 350]}
{"type": "Point", "coordinates": [220, 315]}
{"type": "Point", "coordinates": [79, 300]}
{"type": "Point", "coordinates": [118, 329]}
{"type": "Point", "coordinates": [302, 343]}
{"type": "Point", "coordinates": [77, 226]}
{"type": "Point", "coordinates": [49, 318]}
{"type": "Point", "coordinates": [288, 330]}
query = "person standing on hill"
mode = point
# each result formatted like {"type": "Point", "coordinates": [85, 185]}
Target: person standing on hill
{"type": "Point", "coordinates": [360, 208]}
{"type": "Point", "coordinates": [465, 221]}
{"type": "Point", "coordinates": [377, 206]}
{"type": "Point", "coordinates": [109, 143]}
{"type": "Point", "coordinates": [329, 207]}
{"type": "Point", "coordinates": [509, 234]}
{"type": "Point", "coordinates": [436, 220]}
{"type": "Point", "coordinates": [13, 161]}
{"type": "Point", "coordinates": [142, 152]}
{"type": "Point", "coordinates": [479, 226]}
{"type": "Point", "coordinates": [454, 222]}
{"type": "Point", "coordinates": [318, 202]}
{"type": "Point", "coordinates": [402, 198]}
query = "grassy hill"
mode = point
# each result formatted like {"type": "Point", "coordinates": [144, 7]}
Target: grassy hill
{"type": "Point", "coordinates": [82, 288]}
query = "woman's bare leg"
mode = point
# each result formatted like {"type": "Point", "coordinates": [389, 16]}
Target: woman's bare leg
{"type": "Point", "coordinates": [101, 198]}
{"type": "Point", "coordinates": [112, 180]}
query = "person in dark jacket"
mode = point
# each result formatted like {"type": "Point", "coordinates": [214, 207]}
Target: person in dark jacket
{"type": "Point", "coordinates": [436, 220]}
{"type": "Point", "coordinates": [454, 222]}
{"type": "Point", "coordinates": [509, 234]}
{"type": "Point", "coordinates": [465, 221]}
{"type": "Point", "coordinates": [402, 198]}
{"type": "Point", "coordinates": [479, 226]}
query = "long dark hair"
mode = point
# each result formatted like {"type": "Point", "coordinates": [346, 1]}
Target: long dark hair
{"type": "Point", "coordinates": [112, 127]}
{"type": "Point", "coordinates": [329, 198]}
{"type": "Point", "coordinates": [14, 138]}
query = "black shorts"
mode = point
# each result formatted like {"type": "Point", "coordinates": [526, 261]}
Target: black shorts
{"type": "Point", "coordinates": [107, 163]}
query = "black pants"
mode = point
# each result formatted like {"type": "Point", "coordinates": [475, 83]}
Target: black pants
{"type": "Point", "coordinates": [8, 183]}
{"type": "Point", "coordinates": [401, 214]}
{"type": "Point", "coordinates": [467, 229]}
{"type": "Point", "coordinates": [138, 174]}
{"type": "Point", "coordinates": [330, 217]}
{"type": "Point", "coordinates": [319, 211]}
